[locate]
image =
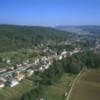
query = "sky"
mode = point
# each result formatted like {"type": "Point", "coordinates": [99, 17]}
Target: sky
{"type": "Point", "coordinates": [50, 12]}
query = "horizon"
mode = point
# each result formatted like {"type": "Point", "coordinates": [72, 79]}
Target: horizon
{"type": "Point", "coordinates": [45, 25]}
{"type": "Point", "coordinates": [50, 13]}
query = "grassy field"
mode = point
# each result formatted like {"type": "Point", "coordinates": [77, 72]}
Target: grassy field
{"type": "Point", "coordinates": [57, 90]}
{"type": "Point", "coordinates": [87, 87]}
{"type": "Point", "coordinates": [16, 92]}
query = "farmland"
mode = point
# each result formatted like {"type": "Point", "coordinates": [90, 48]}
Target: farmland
{"type": "Point", "coordinates": [87, 87]}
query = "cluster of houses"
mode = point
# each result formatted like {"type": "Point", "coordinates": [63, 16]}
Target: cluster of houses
{"type": "Point", "coordinates": [11, 76]}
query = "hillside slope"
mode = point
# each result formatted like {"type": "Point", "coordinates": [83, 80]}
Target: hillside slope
{"type": "Point", "coordinates": [15, 37]}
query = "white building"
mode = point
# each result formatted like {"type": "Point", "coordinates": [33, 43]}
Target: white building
{"type": "Point", "coordinates": [30, 72]}
{"type": "Point", "coordinates": [41, 69]}
{"type": "Point", "coordinates": [18, 65]}
{"type": "Point", "coordinates": [12, 82]}
{"type": "Point", "coordinates": [8, 61]}
{"type": "Point", "coordinates": [36, 61]}
{"type": "Point", "coordinates": [60, 57]}
{"type": "Point", "coordinates": [46, 66]}
{"type": "Point", "coordinates": [2, 84]}
{"type": "Point", "coordinates": [64, 52]}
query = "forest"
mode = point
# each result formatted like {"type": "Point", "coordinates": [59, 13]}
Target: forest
{"type": "Point", "coordinates": [14, 37]}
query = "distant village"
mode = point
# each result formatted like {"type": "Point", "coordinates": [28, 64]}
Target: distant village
{"type": "Point", "coordinates": [11, 76]}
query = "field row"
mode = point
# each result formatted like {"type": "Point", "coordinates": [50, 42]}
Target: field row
{"type": "Point", "coordinates": [87, 87]}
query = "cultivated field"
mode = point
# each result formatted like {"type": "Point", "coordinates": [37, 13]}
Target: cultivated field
{"type": "Point", "coordinates": [87, 87]}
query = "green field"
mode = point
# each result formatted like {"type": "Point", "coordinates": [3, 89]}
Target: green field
{"type": "Point", "coordinates": [57, 90]}
{"type": "Point", "coordinates": [16, 92]}
{"type": "Point", "coordinates": [87, 87]}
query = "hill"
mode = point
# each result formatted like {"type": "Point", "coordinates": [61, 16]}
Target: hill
{"type": "Point", "coordinates": [94, 29]}
{"type": "Point", "coordinates": [82, 29]}
{"type": "Point", "coordinates": [14, 37]}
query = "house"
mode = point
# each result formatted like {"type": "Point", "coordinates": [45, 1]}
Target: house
{"type": "Point", "coordinates": [3, 79]}
{"type": "Point", "coordinates": [36, 61]}
{"type": "Point", "coordinates": [9, 68]}
{"type": "Point", "coordinates": [64, 53]}
{"type": "Point", "coordinates": [70, 53]}
{"type": "Point", "coordinates": [29, 72]}
{"type": "Point", "coordinates": [18, 65]}
{"type": "Point", "coordinates": [45, 50]}
{"type": "Point", "coordinates": [66, 93]}
{"type": "Point", "coordinates": [41, 98]}
{"type": "Point", "coordinates": [41, 69]}
{"type": "Point", "coordinates": [19, 76]}
{"type": "Point", "coordinates": [46, 66]}
{"type": "Point", "coordinates": [1, 84]}
{"type": "Point", "coordinates": [60, 57]}
{"type": "Point", "coordinates": [12, 82]}
{"type": "Point", "coordinates": [2, 70]}
{"type": "Point", "coordinates": [8, 61]}
{"type": "Point", "coordinates": [25, 63]}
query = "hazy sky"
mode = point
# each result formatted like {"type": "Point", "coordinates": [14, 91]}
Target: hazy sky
{"type": "Point", "coordinates": [50, 12]}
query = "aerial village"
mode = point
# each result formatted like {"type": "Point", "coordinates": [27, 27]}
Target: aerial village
{"type": "Point", "coordinates": [11, 76]}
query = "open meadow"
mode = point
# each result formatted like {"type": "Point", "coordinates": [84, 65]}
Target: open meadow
{"type": "Point", "coordinates": [57, 90]}
{"type": "Point", "coordinates": [16, 92]}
